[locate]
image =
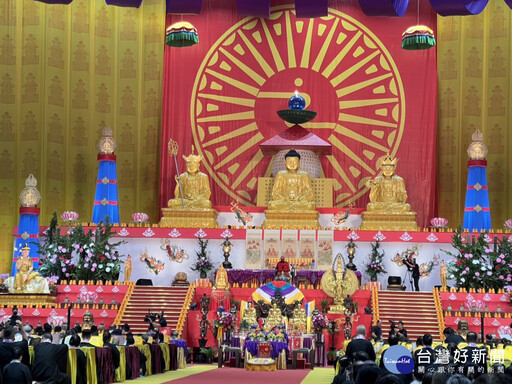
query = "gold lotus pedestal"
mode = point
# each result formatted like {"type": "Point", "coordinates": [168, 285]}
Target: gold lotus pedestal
{"type": "Point", "coordinates": [291, 219]}
{"type": "Point", "coordinates": [373, 221]}
{"type": "Point", "coordinates": [183, 218]}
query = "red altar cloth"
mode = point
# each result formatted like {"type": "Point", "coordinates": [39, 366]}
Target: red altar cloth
{"type": "Point", "coordinates": [60, 315]}
{"type": "Point", "coordinates": [498, 326]}
{"type": "Point", "coordinates": [96, 292]}
{"type": "Point", "coordinates": [479, 300]}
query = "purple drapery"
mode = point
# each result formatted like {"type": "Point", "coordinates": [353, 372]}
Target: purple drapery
{"type": "Point", "coordinates": [509, 3]}
{"type": "Point", "coordinates": [384, 7]}
{"type": "Point", "coordinates": [55, 1]}
{"type": "Point", "coordinates": [308, 8]}
{"type": "Point", "coordinates": [125, 3]}
{"type": "Point", "coordinates": [184, 6]}
{"type": "Point", "coordinates": [458, 7]}
{"type": "Point", "coordinates": [256, 8]}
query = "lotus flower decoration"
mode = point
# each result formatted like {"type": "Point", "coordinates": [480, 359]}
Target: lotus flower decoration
{"type": "Point", "coordinates": [439, 222]}
{"type": "Point", "coordinates": [140, 217]}
{"type": "Point", "coordinates": [508, 224]}
{"type": "Point", "coordinates": [69, 216]}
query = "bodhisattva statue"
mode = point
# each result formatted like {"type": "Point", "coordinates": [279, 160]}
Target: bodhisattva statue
{"type": "Point", "coordinates": [221, 279]}
{"type": "Point", "coordinates": [250, 314]}
{"type": "Point", "coordinates": [292, 190]}
{"type": "Point", "coordinates": [387, 191]}
{"type": "Point", "coordinates": [388, 208]}
{"type": "Point", "coordinates": [87, 320]}
{"type": "Point", "coordinates": [194, 185]}
{"type": "Point", "coordinates": [26, 279]}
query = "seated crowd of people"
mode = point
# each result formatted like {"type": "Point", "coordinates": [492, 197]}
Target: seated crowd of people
{"type": "Point", "coordinates": [458, 360]}
{"type": "Point", "coordinates": [49, 362]}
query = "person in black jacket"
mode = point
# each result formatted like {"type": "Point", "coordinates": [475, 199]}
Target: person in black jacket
{"type": "Point", "coordinates": [413, 267]}
{"type": "Point", "coordinates": [15, 372]}
{"type": "Point", "coordinates": [360, 344]}
{"type": "Point", "coordinates": [7, 345]}
{"type": "Point", "coordinates": [50, 361]}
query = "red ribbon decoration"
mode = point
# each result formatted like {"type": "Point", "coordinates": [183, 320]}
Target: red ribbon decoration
{"type": "Point", "coordinates": [30, 211]}
{"type": "Point", "coordinates": [477, 163]}
{"type": "Point", "coordinates": [104, 157]}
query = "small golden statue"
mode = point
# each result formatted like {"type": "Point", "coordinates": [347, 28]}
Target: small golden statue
{"type": "Point", "coordinates": [299, 318]}
{"type": "Point", "coordinates": [443, 273]}
{"type": "Point", "coordinates": [193, 186]}
{"type": "Point", "coordinates": [221, 280]}
{"type": "Point", "coordinates": [339, 284]}
{"type": "Point", "coordinates": [128, 268]}
{"type": "Point", "coordinates": [250, 314]}
{"type": "Point", "coordinates": [387, 208]}
{"type": "Point", "coordinates": [87, 320]}
{"type": "Point", "coordinates": [191, 206]}
{"type": "Point", "coordinates": [275, 317]}
{"type": "Point", "coordinates": [292, 204]}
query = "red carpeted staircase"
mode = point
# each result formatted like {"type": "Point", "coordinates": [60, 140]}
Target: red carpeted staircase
{"type": "Point", "coordinates": [154, 299]}
{"type": "Point", "coordinates": [416, 309]}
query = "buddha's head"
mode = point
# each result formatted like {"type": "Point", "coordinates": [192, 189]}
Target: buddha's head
{"type": "Point", "coordinates": [292, 160]}
{"type": "Point", "coordinates": [389, 166]}
{"type": "Point", "coordinates": [193, 162]}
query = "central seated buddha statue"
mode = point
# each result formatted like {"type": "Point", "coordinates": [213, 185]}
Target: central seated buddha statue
{"type": "Point", "coordinates": [388, 208]}
{"type": "Point", "coordinates": [292, 189]}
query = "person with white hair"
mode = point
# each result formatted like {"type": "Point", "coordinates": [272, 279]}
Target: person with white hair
{"type": "Point", "coordinates": [360, 344]}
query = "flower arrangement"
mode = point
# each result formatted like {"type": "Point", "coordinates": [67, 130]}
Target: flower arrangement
{"type": "Point", "coordinates": [226, 320]}
{"type": "Point", "coordinates": [203, 262]}
{"type": "Point", "coordinates": [478, 264]}
{"type": "Point", "coordinates": [319, 322]}
{"type": "Point", "coordinates": [77, 255]}
{"type": "Point", "coordinates": [376, 264]}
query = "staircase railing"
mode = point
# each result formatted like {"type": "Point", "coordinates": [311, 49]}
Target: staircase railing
{"type": "Point", "coordinates": [126, 300]}
{"type": "Point", "coordinates": [439, 312]}
{"type": "Point", "coordinates": [375, 304]}
{"type": "Point", "coordinates": [185, 308]}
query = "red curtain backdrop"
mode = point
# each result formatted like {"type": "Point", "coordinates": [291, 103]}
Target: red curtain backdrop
{"type": "Point", "coordinates": [371, 96]}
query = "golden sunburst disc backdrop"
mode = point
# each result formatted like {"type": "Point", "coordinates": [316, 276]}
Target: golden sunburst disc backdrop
{"type": "Point", "coordinates": [341, 68]}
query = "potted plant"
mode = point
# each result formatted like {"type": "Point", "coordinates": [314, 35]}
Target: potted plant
{"type": "Point", "coordinates": [319, 323]}
{"type": "Point", "coordinates": [376, 264]}
{"type": "Point", "coordinates": [203, 263]}
{"type": "Point", "coordinates": [209, 353]}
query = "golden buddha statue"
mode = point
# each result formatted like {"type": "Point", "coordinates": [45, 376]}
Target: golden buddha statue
{"type": "Point", "coordinates": [387, 208]}
{"type": "Point", "coordinates": [292, 189]}
{"type": "Point", "coordinates": [292, 204]}
{"type": "Point", "coordinates": [221, 279]}
{"type": "Point", "coordinates": [191, 206]}
{"type": "Point", "coordinates": [195, 186]}
{"type": "Point", "coordinates": [300, 318]}
{"type": "Point", "coordinates": [26, 280]}
{"type": "Point", "coordinates": [250, 314]}
{"type": "Point", "coordinates": [275, 317]}
{"type": "Point", "coordinates": [443, 273]}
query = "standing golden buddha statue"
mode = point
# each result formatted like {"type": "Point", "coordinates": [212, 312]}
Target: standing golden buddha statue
{"type": "Point", "coordinates": [387, 208]}
{"type": "Point", "coordinates": [191, 206]}
{"type": "Point", "coordinates": [292, 204]}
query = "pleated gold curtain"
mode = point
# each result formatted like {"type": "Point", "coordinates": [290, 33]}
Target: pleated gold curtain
{"type": "Point", "coordinates": [475, 64]}
{"type": "Point", "coordinates": [65, 73]}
